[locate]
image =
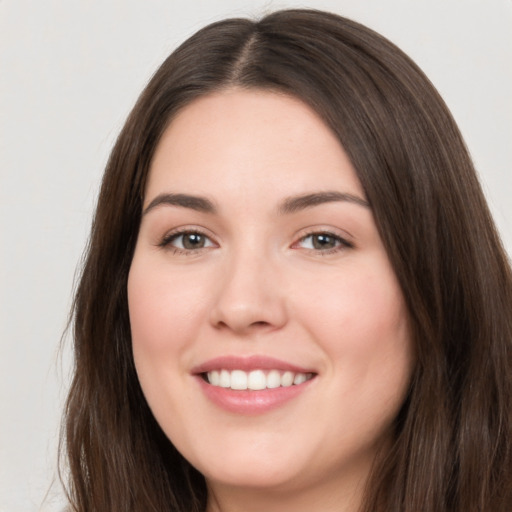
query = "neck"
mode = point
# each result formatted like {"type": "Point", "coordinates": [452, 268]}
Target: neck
{"type": "Point", "coordinates": [327, 496]}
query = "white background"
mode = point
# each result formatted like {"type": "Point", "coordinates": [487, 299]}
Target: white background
{"type": "Point", "coordinates": [70, 70]}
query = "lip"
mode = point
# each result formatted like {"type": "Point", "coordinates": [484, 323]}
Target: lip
{"type": "Point", "coordinates": [245, 402]}
{"type": "Point", "coordinates": [247, 364]}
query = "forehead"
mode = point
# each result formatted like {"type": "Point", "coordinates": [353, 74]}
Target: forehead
{"type": "Point", "coordinates": [245, 140]}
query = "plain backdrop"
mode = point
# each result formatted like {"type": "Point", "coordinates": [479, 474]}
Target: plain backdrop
{"type": "Point", "coordinates": [70, 71]}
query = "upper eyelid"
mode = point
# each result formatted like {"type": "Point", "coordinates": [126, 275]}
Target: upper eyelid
{"type": "Point", "coordinates": [178, 233]}
{"type": "Point", "coordinates": [342, 240]}
{"type": "Point", "coordinates": [338, 233]}
{"type": "Point", "coordinates": [192, 228]}
{"type": "Point", "coordinates": [327, 230]}
{"type": "Point", "coordinates": [169, 236]}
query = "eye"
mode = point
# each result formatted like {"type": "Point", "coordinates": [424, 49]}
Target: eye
{"type": "Point", "coordinates": [186, 241]}
{"type": "Point", "coordinates": [323, 241]}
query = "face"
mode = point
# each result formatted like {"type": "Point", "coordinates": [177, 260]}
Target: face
{"type": "Point", "coordinates": [270, 335]}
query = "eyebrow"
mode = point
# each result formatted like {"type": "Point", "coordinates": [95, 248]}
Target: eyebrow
{"type": "Point", "coordinates": [200, 204]}
{"type": "Point", "coordinates": [288, 206]}
{"type": "Point", "coordinates": [295, 204]}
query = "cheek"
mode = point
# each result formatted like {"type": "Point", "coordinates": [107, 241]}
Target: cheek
{"type": "Point", "coordinates": [162, 306]}
{"type": "Point", "coordinates": [364, 305]}
{"type": "Point", "coordinates": [361, 322]}
{"type": "Point", "coordinates": [163, 309]}
{"type": "Point", "coordinates": [363, 325]}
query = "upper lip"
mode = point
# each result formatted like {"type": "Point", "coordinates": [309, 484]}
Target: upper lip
{"type": "Point", "coordinates": [248, 363]}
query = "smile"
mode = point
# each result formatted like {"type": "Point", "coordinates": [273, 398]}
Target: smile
{"type": "Point", "coordinates": [253, 384]}
{"type": "Point", "coordinates": [255, 380]}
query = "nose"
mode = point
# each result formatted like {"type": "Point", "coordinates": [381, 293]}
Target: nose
{"type": "Point", "coordinates": [249, 296]}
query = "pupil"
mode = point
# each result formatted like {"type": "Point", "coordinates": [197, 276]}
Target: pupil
{"type": "Point", "coordinates": [193, 241]}
{"type": "Point", "coordinates": [323, 242]}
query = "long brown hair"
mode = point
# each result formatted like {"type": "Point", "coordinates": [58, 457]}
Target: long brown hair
{"type": "Point", "coordinates": [452, 450]}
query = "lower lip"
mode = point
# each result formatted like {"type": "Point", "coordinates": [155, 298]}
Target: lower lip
{"type": "Point", "coordinates": [251, 402]}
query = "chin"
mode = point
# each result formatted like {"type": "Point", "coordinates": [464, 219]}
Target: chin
{"type": "Point", "coordinates": [256, 478]}
{"type": "Point", "coordinates": [262, 463]}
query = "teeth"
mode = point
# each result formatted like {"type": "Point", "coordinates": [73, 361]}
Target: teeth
{"type": "Point", "coordinates": [214, 378]}
{"type": "Point", "coordinates": [225, 379]}
{"type": "Point", "coordinates": [238, 379]}
{"type": "Point", "coordinates": [274, 379]}
{"type": "Point", "coordinates": [287, 379]}
{"type": "Point", "coordinates": [256, 379]}
{"type": "Point", "coordinates": [299, 379]}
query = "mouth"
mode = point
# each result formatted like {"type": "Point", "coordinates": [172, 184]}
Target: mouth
{"type": "Point", "coordinates": [255, 380]}
{"type": "Point", "coordinates": [252, 385]}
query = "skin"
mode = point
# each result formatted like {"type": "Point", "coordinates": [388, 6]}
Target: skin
{"type": "Point", "coordinates": [262, 285]}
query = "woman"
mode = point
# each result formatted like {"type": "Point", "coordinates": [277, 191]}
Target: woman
{"type": "Point", "coordinates": [294, 296]}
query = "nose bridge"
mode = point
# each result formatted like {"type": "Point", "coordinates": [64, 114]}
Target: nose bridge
{"type": "Point", "coordinates": [249, 295]}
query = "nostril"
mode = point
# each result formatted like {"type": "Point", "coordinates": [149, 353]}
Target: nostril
{"type": "Point", "coordinates": [247, 314]}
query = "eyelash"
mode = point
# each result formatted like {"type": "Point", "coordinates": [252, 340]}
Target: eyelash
{"type": "Point", "coordinates": [171, 237]}
{"type": "Point", "coordinates": [340, 242]}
